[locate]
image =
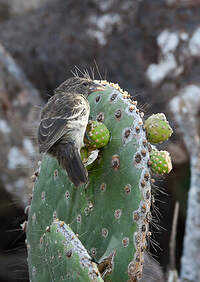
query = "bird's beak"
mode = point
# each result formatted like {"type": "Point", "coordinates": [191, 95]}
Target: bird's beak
{"type": "Point", "coordinates": [96, 87]}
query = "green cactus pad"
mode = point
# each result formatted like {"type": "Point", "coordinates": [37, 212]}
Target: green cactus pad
{"type": "Point", "coordinates": [160, 162]}
{"type": "Point", "coordinates": [157, 128]}
{"type": "Point", "coordinates": [97, 135]}
{"type": "Point", "coordinates": [111, 212]}
{"type": "Point", "coordinates": [63, 250]}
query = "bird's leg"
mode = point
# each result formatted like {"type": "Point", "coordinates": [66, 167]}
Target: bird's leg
{"type": "Point", "coordinates": [91, 119]}
{"type": "Point", "coordinates": [87, 136]}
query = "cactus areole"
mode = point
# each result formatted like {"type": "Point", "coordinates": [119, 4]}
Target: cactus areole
{"type": "Point", "coordinates": [110, 214]}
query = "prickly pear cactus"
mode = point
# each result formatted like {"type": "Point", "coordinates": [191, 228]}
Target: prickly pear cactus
{"type": "Point", "coordinates": [110, 214]}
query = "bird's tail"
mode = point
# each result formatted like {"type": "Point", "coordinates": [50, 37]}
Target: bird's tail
{"type": "Point", "coordinates": [69, 158]}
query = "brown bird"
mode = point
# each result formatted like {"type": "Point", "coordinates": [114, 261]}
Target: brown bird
{"type": "Point", "coordinates": [63, 124]}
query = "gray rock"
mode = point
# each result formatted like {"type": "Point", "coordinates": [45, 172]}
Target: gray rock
{"type": "Point", "coordinates": [18, 116]}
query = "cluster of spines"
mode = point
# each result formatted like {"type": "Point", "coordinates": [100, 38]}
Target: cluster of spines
{"type": "Point", "coordinates": [125, 95]}
{"type": "Point", "coordinates": [142, 216]}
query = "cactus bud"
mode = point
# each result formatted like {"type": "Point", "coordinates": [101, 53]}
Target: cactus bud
{"type": "Point", "coordinates": [97, 135]}
{"type": "Point", "coordinates": [157, 128]}
{"type": "Point", "coordinates": [160, 161]}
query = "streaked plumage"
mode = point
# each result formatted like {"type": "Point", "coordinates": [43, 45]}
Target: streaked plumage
{"type": "Point", "coordinates": [63, 123]}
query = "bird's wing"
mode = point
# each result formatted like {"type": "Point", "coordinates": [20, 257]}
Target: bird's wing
{"type": "Point", "coordinates": [50, 130]}
{"type": "Point", "coordinates": [55, 119]}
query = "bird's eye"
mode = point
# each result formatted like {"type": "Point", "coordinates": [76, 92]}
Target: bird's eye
{"type": "Point", "coordinates": [85, 84]}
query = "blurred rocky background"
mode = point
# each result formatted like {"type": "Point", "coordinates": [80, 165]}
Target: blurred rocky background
{"type": "Point", "coordinates": [151, 48]}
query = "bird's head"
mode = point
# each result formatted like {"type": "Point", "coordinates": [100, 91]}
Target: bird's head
{"type": "Point", "coordinates": [79, 85]}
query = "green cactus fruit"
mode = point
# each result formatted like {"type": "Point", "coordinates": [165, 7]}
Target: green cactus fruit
{"type": "Point", "coordinates": [160, 161]}
{"type": "Point", "coordinates": [97, 135]}
{"type": "Point", "coordinates": [157, 128]}
{"type": "Point", "coordinates": [111, 213]}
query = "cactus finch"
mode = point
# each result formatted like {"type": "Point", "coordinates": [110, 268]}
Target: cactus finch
{"type": "Point", "coordinates": [63, 123]}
